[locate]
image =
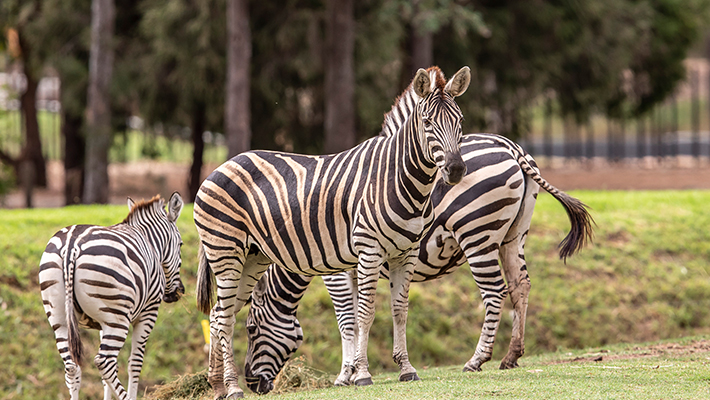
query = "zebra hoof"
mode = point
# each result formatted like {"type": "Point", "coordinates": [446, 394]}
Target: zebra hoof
{"type": "Point", "coordinates": [236, 395]}
{"type": "Point", "coordinates": [509, 365]}
{"type": "Point", "coordinates": [363, 382]}
{"type": "Point", "coordinates": [409, 377]}
{"type": "Point", "coordinates": [470, 368]}
{"type": "Point", "coordinates": [341, 382]}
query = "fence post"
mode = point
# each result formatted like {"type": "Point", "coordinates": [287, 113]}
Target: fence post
{"type": "Point", "coordinates": [695, 114]}
{"type": "Point", "coordinates": [590, 140]}
{"type": "Point", "coordinates": [674, 127]}
{"type": "Point", "coordinates": [610, 140]}
{"type": "Point", "coordinates": [640, 137]}
{"type": "Point", "coordinates": [547, 130]}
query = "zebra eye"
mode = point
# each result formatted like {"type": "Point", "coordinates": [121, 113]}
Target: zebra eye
{"type": "Point", "coordinates": [426, 121]}
{"type": "Point", "coordinates": [251, 328]}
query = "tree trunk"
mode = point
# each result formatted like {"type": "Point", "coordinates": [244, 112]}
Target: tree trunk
{"type": "Point", "coordinates": [419, 49]}
{"type": "Point", "coordinates": [422, 50]}
{"type": "Point", "coordinates": [198, 143]}
{"type": "Point", "coordinates": [74, 149]}
{"type": "Point", "coordinates": [98, 116]}
{"type": "Point", "coordinates": [339, 124]}
{"type": "Point", "coordinates": [32, 152]}
{"type": "Point", "coordinates": [237, 113]}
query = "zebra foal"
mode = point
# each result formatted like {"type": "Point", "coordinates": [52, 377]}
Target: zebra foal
{"type": "Point", "coordinates": [108, 278]}
{"type": "Point", "coordinates": [319, 215]}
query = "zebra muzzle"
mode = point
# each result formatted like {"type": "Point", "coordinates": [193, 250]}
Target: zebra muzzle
{"type": "Point", "coordinates": [171, 297]}
{"type": "Point", "coordinates": [259, 384]}
{"type": "Point", "coordinates": [454, 168]}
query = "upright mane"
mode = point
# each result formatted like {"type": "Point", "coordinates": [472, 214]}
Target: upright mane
{"type": "Point", "coordinates": [404, 103]}
{"type": "Point", "coordinates": [142, 205]}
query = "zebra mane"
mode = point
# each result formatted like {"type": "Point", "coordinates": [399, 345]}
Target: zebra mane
{"type": "Point", "coordinates": [147, 205]}
{"type": "Point", "coordinates": [404, 103]}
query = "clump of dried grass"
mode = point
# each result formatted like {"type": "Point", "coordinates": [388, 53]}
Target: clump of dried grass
{"type": "Point", "coordinates": [296, 375]}
{"type": "Point", "coordinates": [189, 386]}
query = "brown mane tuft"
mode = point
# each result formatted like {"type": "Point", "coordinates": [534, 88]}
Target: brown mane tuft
{"type": "Point", "coordinates": [440, 79]}
{"type": "Point", "coordinates": [440, 83]}
{"type": "Point", "coordinates": [142, 205]}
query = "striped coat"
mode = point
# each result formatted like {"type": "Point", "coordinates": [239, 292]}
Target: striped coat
{"type": "Point", "coordinates": [318, 215]}
{"type": "Point", "coordinates": [108, 278]}
{"type": "Point", "coordinates": [480, 221]}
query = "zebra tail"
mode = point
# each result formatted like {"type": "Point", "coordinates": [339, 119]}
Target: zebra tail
{"type": "Point", "coordinates": [205, 283]}
{"type": "Point", "coordinates": [76, 348]}
{"type": "Point", "coordinates": [581, 221]}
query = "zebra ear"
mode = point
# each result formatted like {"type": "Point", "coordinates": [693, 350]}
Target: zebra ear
{"type": "Point", "coordinates": [260, 287]}
{"type": "Point", "coordinates": [458, 84]}
{"type": "Point", "coordinates": [174, 207]}
{"type": "Point", "coordinates": [421, 83]}
{"type": "Point", "coordinates": [131, 203]}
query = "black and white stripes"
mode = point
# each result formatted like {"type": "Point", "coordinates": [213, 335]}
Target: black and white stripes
{"type": "Point", "coordinates": [482, 220]}
{"type": "Point", "coordinates": [108, 278]}
{"type": "Point", "coordinates": [318, 215]}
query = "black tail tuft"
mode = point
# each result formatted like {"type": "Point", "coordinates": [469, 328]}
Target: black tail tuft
{"type": "Point", "coordinates": [205, 283]}
{"type": "Point", "coordinates": [581, 229]}
{"type": "Point", "coordinates": [76, 349]}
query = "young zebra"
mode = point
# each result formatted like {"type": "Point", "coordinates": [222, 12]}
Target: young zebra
{"type": "Point", "coordinates": [323, 214]}
{"type": "Point", "coordinates": [485, 217]}
{"type": "Point", "coordinates": [108, 278]}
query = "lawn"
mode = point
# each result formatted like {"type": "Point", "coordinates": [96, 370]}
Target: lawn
{"type": "Point", "coordinates": [645, 278]}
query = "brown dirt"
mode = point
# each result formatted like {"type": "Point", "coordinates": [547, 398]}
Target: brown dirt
{"type": "Point", "coordinates": [145, 179]}
{"type": "Point", "coordinates": [656, 350]}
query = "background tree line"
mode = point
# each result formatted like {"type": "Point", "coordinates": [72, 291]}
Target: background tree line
{"type": "Point", "coordinates": [316, 76]}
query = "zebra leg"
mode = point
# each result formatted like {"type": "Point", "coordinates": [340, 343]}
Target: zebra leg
{"type": "Point", "coordinates": [215, 376]}
{"type": "Point", "coordinates": [368, 273]}
{"type": "Point", "coordinates": [488, 277]}
{"type": "Point", "coordinates": [233, 291]}
{"type": "Point", "coordinates": [112, 339]}
{"type": "Point", "coordinates": [516, 273]}
{"type": "Point", "coordinates": [343, 292]}
{"type": "Point", "coordinates": [142, 327]}
{"type": "Point", "coordinates": [400, 279]}
{"type": "Point", "coordinates": [224, 312]}
{"type": "Point", "coordinates": [513, 260]}
{"type": "Point", "coordinates": [51, 280]}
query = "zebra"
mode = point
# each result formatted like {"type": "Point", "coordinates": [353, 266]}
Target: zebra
{"type": "Point", "coordinates": [483, 218]}
{"type": "Point", "coordinates": [320, 215]}
{"type": "Point", "coordinates": [108, 278]}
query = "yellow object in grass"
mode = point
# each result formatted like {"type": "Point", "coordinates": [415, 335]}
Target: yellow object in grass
{"type": "Point", "coordinates": [206, 330]}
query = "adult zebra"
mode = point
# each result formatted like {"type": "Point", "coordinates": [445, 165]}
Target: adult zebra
{"type": "Point", "coordinates": [323, 214]}
{"type": "Point", "coordinates": [485, 217]}
{"type": "Point", "coordinates": [108, 278]}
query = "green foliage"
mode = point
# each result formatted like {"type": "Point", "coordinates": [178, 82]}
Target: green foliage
{"type": "Point", "coordinates": [7, 181]}
{"type": "Point", "coordinates": [181, 64]}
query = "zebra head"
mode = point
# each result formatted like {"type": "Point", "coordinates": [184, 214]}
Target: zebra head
{"type": "Point", "coordinates": [273, 336]}
{"type": "Point", "coordinates": [439, 119]}
{"type": "Point", "coordinates": [172, 261]}
{"type": "Point", "coordinates": [165, 230]}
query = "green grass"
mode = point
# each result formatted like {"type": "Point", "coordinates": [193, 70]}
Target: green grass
{"type": "Point", "coordinates": [645, 278]}
{"type": "Point", "coordinates": [663, 370]}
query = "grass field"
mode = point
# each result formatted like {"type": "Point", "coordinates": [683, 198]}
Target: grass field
{"type": "Point", "coordinates": [664, 370]}
{"type": "Point", "coordinates": [645, 278]}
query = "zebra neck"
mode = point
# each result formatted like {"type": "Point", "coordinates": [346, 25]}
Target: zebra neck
{"type": "Point", "coordinates": [418, 173]}
{"type": "Point", "coordinates": [145, 222]}
{"type": "Point", "coordinates": [400, 113]}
